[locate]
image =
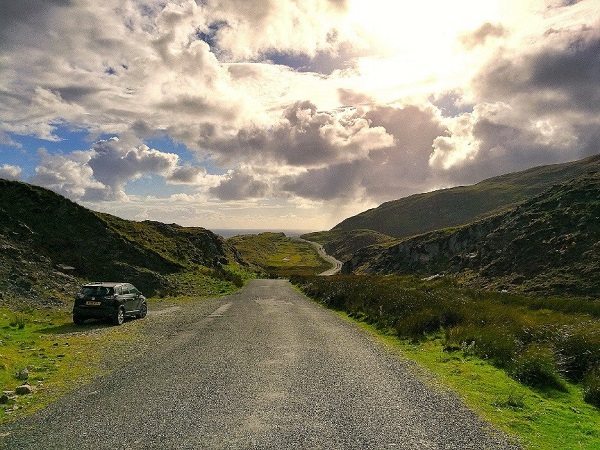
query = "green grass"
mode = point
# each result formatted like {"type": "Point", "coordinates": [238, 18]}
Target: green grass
{"type": "Point", "coordinates": [278, 255]}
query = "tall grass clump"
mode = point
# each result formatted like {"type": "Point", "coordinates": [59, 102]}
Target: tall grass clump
{"type": "Point", "coordinates": [536, 366]}
{"type": "Point", "coordinates": [591, 387]}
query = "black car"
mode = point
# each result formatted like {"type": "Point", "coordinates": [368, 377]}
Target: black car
{"type": "Point", "coordinates": [109, 300]}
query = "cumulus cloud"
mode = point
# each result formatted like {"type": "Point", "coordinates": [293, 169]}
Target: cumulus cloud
{"type": "Point", "coordinates": [387, 173]}
{"type": "Point", "coordinates": [244, 30]}
{"type": "Point", "coordinates": [535, 108]}
{"type": "Point", "coordinates": [102, 172]}
{"type": "Point", "coordinates": [68, 175]}
{"type": "Point", "coordinates": [240, 186]}
{"type": "Point", "coordinates": [115, 162]}
{"type": "Point", "coordinates": [10, 172]}
{"type": "Point", "coordinates": [306, 137]}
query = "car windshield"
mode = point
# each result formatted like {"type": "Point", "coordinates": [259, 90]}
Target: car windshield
{"type": "Point", "coordinates": [96, 291]}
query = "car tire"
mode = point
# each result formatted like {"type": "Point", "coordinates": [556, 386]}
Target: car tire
{"type": "Point", "coordinates": [119, 317]}
{"type": "Point", "coordinates": [143, 311]}
{"type": "Point", "coordinates": [78, 320]}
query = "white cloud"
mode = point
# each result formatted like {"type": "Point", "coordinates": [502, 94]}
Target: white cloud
{"type": "Point", "coordinates": [10, 172]}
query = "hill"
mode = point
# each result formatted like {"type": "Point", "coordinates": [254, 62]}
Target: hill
{"type": "Point", "coordinates": [278, 255]}
{"type": "Point", "coordinates": [548, 244]}
{"type": "Point", "coordinates": [50, 244]}
{"type": "Point", "coordinates": [461, 205]}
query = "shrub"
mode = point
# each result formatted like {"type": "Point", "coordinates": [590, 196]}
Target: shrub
{"type": "Point", "coordinates": [491, 342]}
{"type": "Point", "coordinates": [418, 325]}
{"type": "Point", "coordinates": [536, 366]}
{"type": "Point", "coordinates": [579, 349]}
{"type": "Point", "coordinates": [19, 321]}
{"type": "Point", "coordinates": [591, 387]}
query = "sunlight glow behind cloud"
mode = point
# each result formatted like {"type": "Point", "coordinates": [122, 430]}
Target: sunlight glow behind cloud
{"type": "Point", "coordinates": [229, 113]}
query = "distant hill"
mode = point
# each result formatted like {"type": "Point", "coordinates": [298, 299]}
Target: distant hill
{"type": "Point", "coordinates": [548, 244]}
{"type": "Point", "coordinates": [461, 205]}
{"type": "Point", "coordinates": [49, 244]}
{"type": "Point", "coordinates": [278, 255]}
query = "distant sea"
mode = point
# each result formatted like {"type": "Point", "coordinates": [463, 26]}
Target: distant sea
{"type": "Point", "coordinates": [227, 233]}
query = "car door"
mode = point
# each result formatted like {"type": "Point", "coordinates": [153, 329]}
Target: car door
{"type": "Point", "coordinates": [132, 298]}
{"type": "Point", "coordinates": [126, 298]}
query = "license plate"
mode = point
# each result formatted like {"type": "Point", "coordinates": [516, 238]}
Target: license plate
{"type": "Point", "coordinates": [89, 303]}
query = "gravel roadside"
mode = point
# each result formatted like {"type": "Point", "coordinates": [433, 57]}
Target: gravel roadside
{"type": "Point", "coordinates": [264, 368]}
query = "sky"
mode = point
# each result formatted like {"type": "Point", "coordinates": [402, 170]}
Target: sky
{"type": "Point", "coordinates": [289, 114]}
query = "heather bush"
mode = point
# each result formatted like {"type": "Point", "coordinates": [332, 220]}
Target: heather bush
{"type": "Point", "coordinates": [591, 387]}
{"type": "Point", "coordinates": [490, 342]}
{"type": "Point", "coordinates": [579, 348]}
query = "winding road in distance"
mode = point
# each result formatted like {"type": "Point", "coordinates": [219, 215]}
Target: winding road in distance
{"type": "Point", "coordinates": [336, 264]}
{"type": "Point", "coordinates": [265, 368]}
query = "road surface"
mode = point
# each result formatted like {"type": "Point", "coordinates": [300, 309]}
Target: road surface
{"type": "Point", "coordinates": [264, 368]}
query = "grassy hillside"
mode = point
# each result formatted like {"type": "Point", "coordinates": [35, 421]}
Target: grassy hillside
{"type": "Point", "coordinates": [278, 255]}
{"type": "Point", "coordinates": [461, 205]}
{"type": "Point", "coordinates": [50, 244]}
{"type": "Point", "coordinates": [548, 244]}
{"type": "Point", "coordinates": [342, 244]}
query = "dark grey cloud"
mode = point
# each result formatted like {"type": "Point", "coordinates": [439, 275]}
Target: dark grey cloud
{"type": "Point", "coordinates": [552, 80]}
{"type": "Point", "coordinates": [305, 137]}
{"type": "Point", "coordinates": [19, 19]}
{"type": "Point", "coordinates": [240, 186]}
{"type": "Point", "coordinates": [573, 73]}
{"type": "Point", "coordinates": [186, 174]}
{"type": "Point", "coordinates": [539, 108]}
{"type": "Point", "coordinates": [337, 182]}
{"type": "Point", "coordinates": [388, 173]}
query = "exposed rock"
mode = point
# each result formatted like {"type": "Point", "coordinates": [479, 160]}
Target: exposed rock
{"type": "Point", "coordinates": [23, 374]}
{"type": "Point", "coordinates": [24, 389]}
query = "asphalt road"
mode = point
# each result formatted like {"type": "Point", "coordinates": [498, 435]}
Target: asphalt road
{"type": "Point", "coordinates": [265, 368]}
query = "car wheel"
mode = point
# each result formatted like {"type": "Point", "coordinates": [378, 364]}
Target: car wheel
{"type": "Point", "coordinates": [119, 317]}
{"type": "Point", "coordinates": [78, 320]}
{"type": "Point", "coordinates": [143, 311]}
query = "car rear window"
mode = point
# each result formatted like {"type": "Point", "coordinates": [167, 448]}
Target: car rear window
{"type": "Point", "coordinates": [97, 290]}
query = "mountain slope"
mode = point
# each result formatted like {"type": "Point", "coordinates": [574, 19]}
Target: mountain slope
{"type": "Point", "coordinates": [461, 205]}
{"type": "Point", "coordinates": [43, 233]}
{"type": "Point", "coordinates": [548, 244]}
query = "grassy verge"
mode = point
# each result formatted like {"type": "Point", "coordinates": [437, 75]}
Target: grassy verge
{"type": "Point", "coordinates": [57, 355]}
{"type": "Point", "coordinates": [529, 369]}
